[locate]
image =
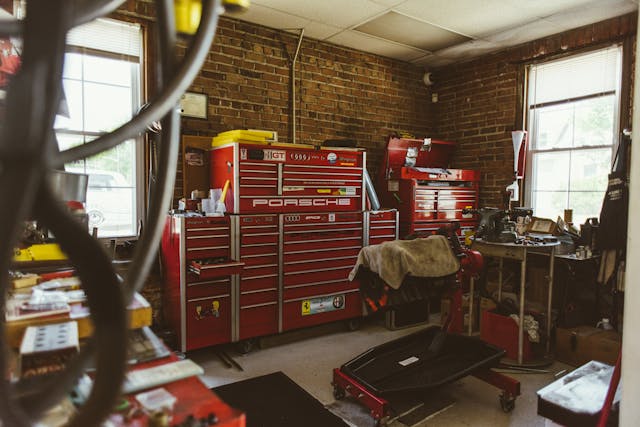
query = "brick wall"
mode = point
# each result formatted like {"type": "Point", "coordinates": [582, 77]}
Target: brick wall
{"type": "Point", "coordinates": [480, 101]}
{"type": "Point", "coordinates": [341, 93]}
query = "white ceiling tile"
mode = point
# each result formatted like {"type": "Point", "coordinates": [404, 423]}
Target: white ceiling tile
{"type": "Point", "coordinates": [375, 45]}
{"type": "Point", "coordinates": [469, 49]}
{"type": "Point", "coordinates": [527, 32]}
{"type": "Point", "coordinates": [317, 30]}
{"type": "Point", "coordinates": [341, 13]}
{"type": "Point", "coordinates": [544, 8]}
{"type": "Point", "coordinates": [596, 11]}
{"type": "Point", "coordinates": [389, 3]}
{"type": "Point", "coordinates": [469, 17]}
{"type": "Point", "coordinates": [405, 30]}
{"type": "Point", "coordinates": [272, 18]}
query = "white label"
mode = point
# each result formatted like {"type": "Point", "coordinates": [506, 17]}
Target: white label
{"type": "Point", "coordinates": [332, 217]}
{"type": "Point", "coordinates": [349, 191]}
{"type": "Point", "coordinates": [286, 188]}
{"type": "Point", "coordinates": [243, 154]}
{"type": "Point", "coordinates": [409, 361]}
{"type": "Point", "coordinates": [275, 155]}
{"type": "Point", "coordinates": [393, 185]}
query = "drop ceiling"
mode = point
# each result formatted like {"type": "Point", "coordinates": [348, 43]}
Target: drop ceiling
{"type": "Point", "coordinates": [432, 33]}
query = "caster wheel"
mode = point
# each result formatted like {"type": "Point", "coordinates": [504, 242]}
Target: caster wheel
{"type": "Point", "coordinates": [507, 403]}
{"type": "Point", "coordinates": [382, 422]}
{"type": "Point", "coordinates": [245, 346]}
{"type": "Point", "coordinates": [353, 324]}
{"type": "Point", "coordinates": [338, 393]}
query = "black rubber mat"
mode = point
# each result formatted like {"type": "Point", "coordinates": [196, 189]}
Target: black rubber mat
{"type": "Point", "coordinates": [274, 400]}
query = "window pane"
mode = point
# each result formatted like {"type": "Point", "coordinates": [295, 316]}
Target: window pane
{"type": "Point", "coordinates": [73, 96]}
{"type": "Point", "coordinates": [111, 108]}
{"type": "Point", "coordinates": [554, 127]}
{"type": "Point", "coordinates": [72, 66]}
{"type": "Point", "coordinates": [107, 70]}
{"type": "Point", "coordinates": [551, 171]}
{"type": "Point", "coordinates": [594, 121]}
{"type": "Point", "coordinates": [589, 169]}
{"type": "Point", "coordinates": [110, 208]}
{"type": "Point", "coordinates": [119, 161]}
{"type": "Point", "coordinates": [69, 141]}
{"type": "Point", "coordinates": [585, 204]}
{"type": "Point", "coordinates": [574, 77]}
{"type": "Point", "coordinates": [549, 204]}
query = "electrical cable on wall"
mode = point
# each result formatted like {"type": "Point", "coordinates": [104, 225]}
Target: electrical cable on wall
{"type": "Point", "coordinates": [27, 137]}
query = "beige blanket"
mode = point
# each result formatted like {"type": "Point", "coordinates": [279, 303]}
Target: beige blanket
{"type": "Point", "coordinates": [392, 261]}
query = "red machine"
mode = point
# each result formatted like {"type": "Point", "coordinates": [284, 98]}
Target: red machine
{"type": "Point", "coordinates": [199, 280]}
{"type": "Point", "coordinates": [414, 179]}
{"type": "Point", "coordinates": [283, 178]}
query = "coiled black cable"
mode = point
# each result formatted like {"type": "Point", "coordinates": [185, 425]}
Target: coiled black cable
{"type": "Point", "coordinates": [27, 137]}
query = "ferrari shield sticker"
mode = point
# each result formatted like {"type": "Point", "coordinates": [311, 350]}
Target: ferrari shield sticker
{"type": "Point", "coordinates": [323, 304]}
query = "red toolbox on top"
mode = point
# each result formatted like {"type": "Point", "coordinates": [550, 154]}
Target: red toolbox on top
{"type": "Point", "coordinates": [199, 280]}
{"type": "Point", "coordinates": [414, 178]}
{"type": "Point", "coordinates": [318, 252]}
{"type": "Point", "coordinates": [284, 178]}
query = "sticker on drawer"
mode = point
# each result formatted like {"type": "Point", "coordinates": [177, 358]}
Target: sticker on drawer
{"type": "Point", "coordinates": [275, 155]}
{"type": "Point", "coordinates": [289, 188]}
{"type": "Point", "coordinates": [348, 191]}
{"type": "Point", "coordinates": [322, 304]}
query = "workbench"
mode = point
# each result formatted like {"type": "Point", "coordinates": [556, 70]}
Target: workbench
{"type": "Point", "coordinates": [518, 252]}
{"type": "Point", "coordinates": [139, 312]}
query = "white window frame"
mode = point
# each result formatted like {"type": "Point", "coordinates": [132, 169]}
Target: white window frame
{"type": "Point", "coordinates": [530, 122]}
{"type": "Point", "coordinates": [137, 92]}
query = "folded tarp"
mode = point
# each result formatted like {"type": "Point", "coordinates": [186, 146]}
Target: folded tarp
{"type": "Point", "coordinates": [392, 261]}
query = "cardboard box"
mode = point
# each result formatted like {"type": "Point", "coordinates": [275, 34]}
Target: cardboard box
{"type": "Point", "coordinates": [579, 345]}
{"type": "Point", "coordinates": [485, 304]}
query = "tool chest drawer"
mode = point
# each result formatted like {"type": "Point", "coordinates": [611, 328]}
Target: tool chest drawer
{"type": "Point", "coordinates": [321, 308]}
{"type": "Point", "coordinates": [206, 269]}
{"type": "Point", "coordinates": [208, 321]}
{"type": "Point", "coordinates": [250, 298]}
{"type": "Point", "coordinates": [205, 288]}
{"type": "Point", "coordinates": [289, 178]}
{"type": "Point", "coordinates": [258, 320]}
{"type": "Point", "coordinates": [381, 226]}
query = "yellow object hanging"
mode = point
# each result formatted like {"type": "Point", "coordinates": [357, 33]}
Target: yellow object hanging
{"type": "Point", "coordinates": [187, 14]}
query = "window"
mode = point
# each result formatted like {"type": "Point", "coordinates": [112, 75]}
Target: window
{"type": "Point", "coordinates": [101, 81]}
{"type": "Point", "coordinates": [573, 108]}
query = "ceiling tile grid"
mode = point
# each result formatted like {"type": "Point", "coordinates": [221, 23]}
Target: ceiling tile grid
{"type": "Point", "coordinates": [432, 32]}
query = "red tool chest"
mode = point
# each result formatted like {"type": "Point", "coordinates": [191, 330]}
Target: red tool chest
{"type": "Point", "coordinates": [200, 280]}
{"type": "Point", "coordinates": [318, 252]}
{"type": "Point", "coordinates": [380, 226]}
{"type": "Point", "coordinates": [284, 178]}
{"type": "Point", "coordinates": [414, 179]}
{"type": "Point", "coordinates": [256, 242]}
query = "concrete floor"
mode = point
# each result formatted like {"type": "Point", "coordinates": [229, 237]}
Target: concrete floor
{"type": "Point", "coordinates": [309, 356]}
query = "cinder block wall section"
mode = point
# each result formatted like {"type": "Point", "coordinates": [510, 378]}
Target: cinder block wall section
{"type": "Point", "coordinates": [480, 101]}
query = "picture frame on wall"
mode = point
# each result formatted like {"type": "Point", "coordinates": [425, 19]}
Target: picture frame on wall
{"type": "Point", "coordinates": [194, 105]}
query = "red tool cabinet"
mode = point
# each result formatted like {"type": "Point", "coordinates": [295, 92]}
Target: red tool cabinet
{"type": "Point", "coordinates": [199, 279]}
{"type": "Point", "coordinates": [283, 178]}
{"type": "Point", "coordinates": [414, 179]}
{"type": "Point", "coordinates": [318, 252]}
{"type": "Point", "coordinates": [380, 226]}
{"type": "Point", "coordinates": [256, 242]}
